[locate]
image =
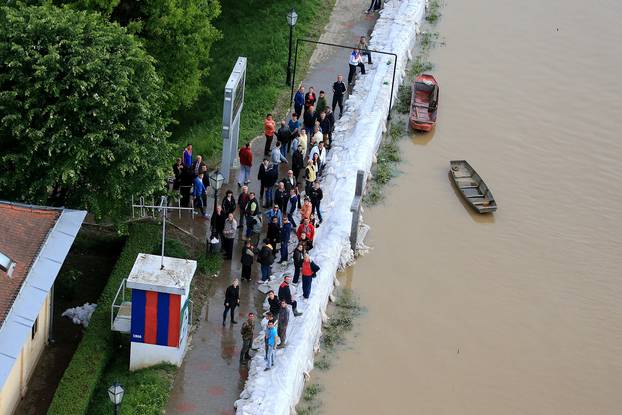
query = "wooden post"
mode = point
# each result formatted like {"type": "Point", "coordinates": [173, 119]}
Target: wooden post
{"type": "Point", "coordinates": [356, 208]}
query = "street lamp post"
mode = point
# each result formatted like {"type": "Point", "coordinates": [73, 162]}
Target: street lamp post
{"type": "Point", "coordinates": [292, 18]}
{"type": "Point", "coordinates": [215, 181]}
{"type": "Point", "coordinates": [115, 393]}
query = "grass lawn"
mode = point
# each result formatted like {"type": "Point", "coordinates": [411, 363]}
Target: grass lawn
{"type": "Point", "coordinates": [259, 31]}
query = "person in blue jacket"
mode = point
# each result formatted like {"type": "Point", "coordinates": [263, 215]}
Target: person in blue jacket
{"type": "Point", "coordinates": [286, 232]}
{"type": "Point", "coordinates": [199, 194]}
{"type": "Point", "coordinates": [299, 100]}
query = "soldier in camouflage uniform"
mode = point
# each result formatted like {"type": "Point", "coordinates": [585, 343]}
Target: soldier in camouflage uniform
{"type": "Point", "coordinates": [247, 337]}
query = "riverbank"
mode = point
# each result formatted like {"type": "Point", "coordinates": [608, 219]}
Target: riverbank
{"type": "Point", "coordinates": [356, 138]}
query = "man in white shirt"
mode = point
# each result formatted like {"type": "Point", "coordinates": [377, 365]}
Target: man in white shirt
{"type": "Point", "coordinates": [356, 60]}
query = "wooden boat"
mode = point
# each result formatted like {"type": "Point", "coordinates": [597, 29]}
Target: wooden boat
{"type": "Point", "coordinates": [424, 103]}
{"type": "Point", "coordinates": [472, 187]}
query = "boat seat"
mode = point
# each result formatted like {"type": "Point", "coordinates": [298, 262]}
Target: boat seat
{"type": "Point", "coordinates": [469, 187]}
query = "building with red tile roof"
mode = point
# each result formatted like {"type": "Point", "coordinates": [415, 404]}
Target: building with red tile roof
{"type": "Point", "coordinates": [35, 240]}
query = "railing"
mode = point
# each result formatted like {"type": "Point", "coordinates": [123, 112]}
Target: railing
{"type": "Point", "coordinates": [114, 305]}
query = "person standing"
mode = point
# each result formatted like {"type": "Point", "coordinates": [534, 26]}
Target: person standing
{"type": "Point", "coordinates": [292, 205]}
{"type": "Point", "coordinates": [232, 300]}
{"type": "Point", "coordinates": [274, 304]}
{"type": "Point", "coordinates": [266, 259]}
{"type": "Point", "coordinates": [286, 232]}
{"type": "Point", "coordinates": [284, 137]}
{"type": "Point", "coordinates": [330, 116]}
{"type": "Point", "coordinates": [178, 167]}
{"type": "Point", "coordinates": [217, 223]}
{"type": "Point", "coordinates": [302, 141]}
{"type": "Point", "coordinates": [277, 156]}
{"type": "Point", "coordinates": [257, 226]}
{"type": "Point", "coordinates": [228, 203]}
{"type": "Point", "coordinates": [286, 294]}
{"type": "Point", "coordinates": [247, 259]}
{"type": "Point", "coordinates": [271, 338]}
{"type": "Point", "coordinates": [187, 156]}
{"type": "Point", "coordinates": [294, 130]}
{"type": "Point", "coordinates": [274, 233]}
{"type": "Point", "coordinates": [321, 153]}
{"type": "Point", "coordinates": [299, 256]}
{"type": "Point", "coordinates": [281, 195]}
{"type": "Point", "coordinates": [243, 199]}
{"type": "Point", "coordinates": [310, 176]}
{"type": "Point", "coordinates": [271, 176]}
{"type": "Point", "coordinates": [269, 127]}
{"type": "Point", "coordinates": [247, 338]}
{"type": "Point", "coordinates": [199, 195]}
{"type": "Point", "coordinates": [307, 228]}
{"type": "Point", "coordinates": [283, 320]}
{"type": "Point", "coordinates": [298, 163]}
{"type": "Point", "coordinates": [306, 209]}
{"type": "Point", "coordinates": [321, 103]}
{"type": "Point", "coordinates": [310, 99]}
{"type": "Point", "coordinates": [364, 48]}
{"type": "Point", "coordinates": [299, 101]}
{"type": "Point", "coordinates": [326, 127]}
{"type": "Point", "coordinates": [309, 119]}
{"type": "Point", "coordinates": [197, 166]}
{"type": "Point", "coordinates": [309, 270]}
{"type": "Point", "coordinates": [355, 61]}
{"type": "Point", "coordinates": [246, 162]}
{"type": "Point", "coordinates": [229, 230]}
{"type": "Point", "coordinates": [251, 210]}
{"type": "Point", "coordinates": [339, 89]}
{"type": "Point", "coordinates": [275, 212]}
{"type": "Point", "coordinates": [316, 197]}
{"type": "Point", "coordinates": [261, 176]}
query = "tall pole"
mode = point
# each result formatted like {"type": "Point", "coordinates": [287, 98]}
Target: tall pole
{"type": "Point", "coordinates": [215, 199]}
{"type": "Point", "coordinates": [164, 204]}
{"type": "Point", "coordinates": [291, 98]}
{"type": "Point", "coordinates": [289, 58]}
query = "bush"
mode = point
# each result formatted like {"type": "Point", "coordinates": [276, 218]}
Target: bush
{"type": "Point", "coordinates": [83, 374]}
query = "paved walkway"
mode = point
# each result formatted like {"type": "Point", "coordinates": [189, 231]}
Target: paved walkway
{"type": "Point", "coordinates": [211, 379]}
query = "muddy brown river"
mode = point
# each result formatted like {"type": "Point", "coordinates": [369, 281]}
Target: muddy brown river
{"type": "Point", "coordinates": [519, 312]}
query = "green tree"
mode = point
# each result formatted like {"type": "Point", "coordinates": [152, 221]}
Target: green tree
{"type": "Point", "coordinates": [80, 111]}
{"type": "Point", "coordinates": [177, 33]}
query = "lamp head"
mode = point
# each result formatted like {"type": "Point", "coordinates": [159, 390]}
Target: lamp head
{"type": "Point", "coordinates": [115, 393]}
{"type": "Point", "coordinates": [292, 17]}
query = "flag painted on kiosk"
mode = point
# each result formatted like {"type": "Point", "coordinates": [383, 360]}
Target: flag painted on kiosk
{"type": "Point", "coordinates": [155, 318]}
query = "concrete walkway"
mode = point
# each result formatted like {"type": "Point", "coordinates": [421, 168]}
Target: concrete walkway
{"type": "Point", "coordinates": [211, 379]}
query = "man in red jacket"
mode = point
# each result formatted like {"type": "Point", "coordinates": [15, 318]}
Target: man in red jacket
{"type": "Point", "coordinates": [307, 227]}
{"type": "Point", "coordinates": [246, 162]}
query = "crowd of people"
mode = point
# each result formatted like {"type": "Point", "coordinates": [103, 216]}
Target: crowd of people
{"type": "Point", "coordinates": [278, 225]}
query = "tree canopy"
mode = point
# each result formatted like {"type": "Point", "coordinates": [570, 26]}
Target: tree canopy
{"type": "Point", "coordinates": [80, 111]}
{"type": "Point", "coordinates": [177, 33]}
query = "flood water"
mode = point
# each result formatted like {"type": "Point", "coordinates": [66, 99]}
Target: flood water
{"type": "Point", "coordinates": [517, 312]}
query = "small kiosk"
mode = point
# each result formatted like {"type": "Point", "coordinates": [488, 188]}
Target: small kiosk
{"type": "Point", "coordinates": [160, 309]}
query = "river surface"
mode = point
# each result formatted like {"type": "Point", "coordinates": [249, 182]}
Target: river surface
{"type": "Point", "coordinates": [519, 312]}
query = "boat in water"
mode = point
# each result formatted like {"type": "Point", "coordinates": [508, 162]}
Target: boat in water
{"type": "Point", "coordinates": [472, 187]}
{"type": "Point", "coordinates": [424, 103]}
